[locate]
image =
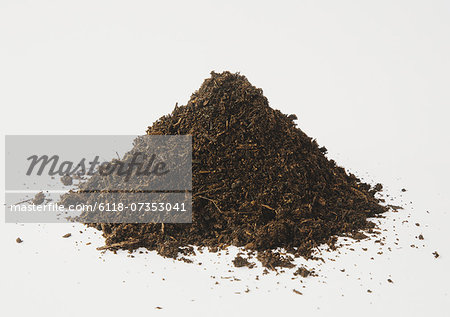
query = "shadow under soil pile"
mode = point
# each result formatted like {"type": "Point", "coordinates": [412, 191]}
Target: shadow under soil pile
{"type": "Point", "coordinates": [258, 181]}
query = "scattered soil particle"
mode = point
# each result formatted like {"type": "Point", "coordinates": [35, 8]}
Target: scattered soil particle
{"type": "Point", "coordinates": [389, 280]}
{"type": "Point", "coordinates": [240, 262]}
{"type": "Point", "coordinates": [67, 180]}
{"type": "Point", "coordinates": [67, 235]}
{"type": "Point", "coordinates": [297, 292]}
{"type": "Point", "coordinates": [39, 198]}
{"type": "Point", "coordinates": [421, 237]}
{"type": "Point", "coordinates": [18, 240]}
{"type": "Point", "coordinates": [436, 254]}
{"type": "Point", "coordinates": [395, 208]}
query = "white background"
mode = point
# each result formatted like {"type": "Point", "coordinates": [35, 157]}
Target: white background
{"type": "Point", "coordinates": [369, 79]}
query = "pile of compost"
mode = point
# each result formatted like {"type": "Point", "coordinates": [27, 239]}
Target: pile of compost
{"type": "Point", "coordinates": [258, 181]}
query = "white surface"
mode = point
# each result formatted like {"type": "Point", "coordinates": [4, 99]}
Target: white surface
{"type": "Point", "coordinates": [369, 80]}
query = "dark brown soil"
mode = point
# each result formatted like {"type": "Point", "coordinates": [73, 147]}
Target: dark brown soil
{"type": "Point", "coordinates": [302, 271]}
{"type": "Point", "coordinates": [239, 261]}
{"type": "Point", "coordinates": [259, 181]}
{"type": "Point", "coordinates": [39, 198]}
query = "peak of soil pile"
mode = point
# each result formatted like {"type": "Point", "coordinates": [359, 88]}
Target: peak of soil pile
{"type": "Point", "coordinates": [258, 180]}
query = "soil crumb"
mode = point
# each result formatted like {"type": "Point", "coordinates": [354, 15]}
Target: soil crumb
{"type": "Point", "coordinates": [39, 198]}
{"type": "Point", "coordinates": [302, 271]}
